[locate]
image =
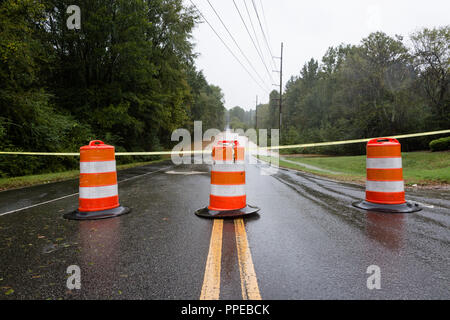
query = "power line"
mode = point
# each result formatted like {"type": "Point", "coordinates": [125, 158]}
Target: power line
{"type": "Point", "coordinates": [262, 30]}
{"type": "Point", "coordinates": [251, 38]}
{"type": "Point", "coordinates": [265, 20]}
{"type": "Point", "coordinates": [228, 48]}
{"type": "Point", "coordinates": [235, 42]}
{"type": "Point", "coordinates": [253, 28]}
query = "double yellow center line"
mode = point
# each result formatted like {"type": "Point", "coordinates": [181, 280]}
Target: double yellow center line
{"type": "Point", "coordinates": [211, 281]}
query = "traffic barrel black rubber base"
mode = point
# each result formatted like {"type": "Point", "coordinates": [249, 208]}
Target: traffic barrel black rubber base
{"type": "Point", "coordinates": [96, 215]}
{"type": "Point", "coordinates": [406, 207]}
{"type": "Point", "coordinates": [226, 214]}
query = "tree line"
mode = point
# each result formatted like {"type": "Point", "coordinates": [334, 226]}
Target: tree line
{"type": "Point", "coordinates": [127, 77]}
{"type": "Point", "coordinates": [380, 87]}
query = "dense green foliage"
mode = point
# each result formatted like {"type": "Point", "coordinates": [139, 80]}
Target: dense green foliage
{"type": "Point", "coordinates": [377, 88]}
{"type": "Point", "coordinates": [238, 118]}
{"type": "Point", "coordinates": [126, 77]}
{"type": "Point", "coordinates": [440, 144]}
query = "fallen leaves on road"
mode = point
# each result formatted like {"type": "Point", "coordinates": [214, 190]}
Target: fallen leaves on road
{"type": "Point", "coordinates": [10, 291]}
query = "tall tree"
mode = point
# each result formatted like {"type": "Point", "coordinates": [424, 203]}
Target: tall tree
{"type": "Point", "coordinates": [431, 48]}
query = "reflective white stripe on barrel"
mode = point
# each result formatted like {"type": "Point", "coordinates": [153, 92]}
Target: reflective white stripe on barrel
{"type": "Point", "coordinates": [383, 163]}
{"type": "Point", "coordinates": [385, 186]}
{"type": "Point", "coordinates": [98, 192]}
{"type": "Point", "coordinates": [98, 166]}
{"type": "Point", "coordinates": [223, 162]}
{"type": "Point", "coordinates": [231, 167]}
{"type": "Point", "coordinates": [228, 190]}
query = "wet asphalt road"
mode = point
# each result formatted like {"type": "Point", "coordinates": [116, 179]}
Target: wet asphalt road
{"type": "Point", "coordinates": [307, 243]}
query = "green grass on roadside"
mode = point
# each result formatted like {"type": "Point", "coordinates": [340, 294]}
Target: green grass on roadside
{"type": "Point", "coordinates": [423, 168]}
{"type": "Point", "coordinates": [25, 181]}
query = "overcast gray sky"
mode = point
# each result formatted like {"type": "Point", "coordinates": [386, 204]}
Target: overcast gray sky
{"type": "Point", "coordinates": [307, 29]}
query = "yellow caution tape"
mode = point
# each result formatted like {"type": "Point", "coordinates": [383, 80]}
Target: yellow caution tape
{"type": "Point", "coordinates": [41, 153]}
{"type": "Point", "coordinates": [321, 144]}
{"type": "Point", "coordinates": [304, 145]}
{"type": "Point", "coordinates": [152, 153]}
{"type": "Point", "coordinates": [160, 153]}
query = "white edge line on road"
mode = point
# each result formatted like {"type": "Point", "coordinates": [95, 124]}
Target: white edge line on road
{"type": "Point", "coordinates": [38, 204]}
{"type": "Point", "coordinates": [74, 194]}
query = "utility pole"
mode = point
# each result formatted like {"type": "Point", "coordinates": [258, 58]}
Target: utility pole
{"type": "Point", "coordinates": [256, 113]}
{"type": "Point", "coordinates": [280, 100]}
{"type": "Point", "coordinates": [281, 88]}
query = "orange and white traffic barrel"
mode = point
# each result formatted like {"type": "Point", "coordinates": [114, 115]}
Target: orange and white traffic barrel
{"type": "Point", "coordinates": [385, 190]}
{"type": "Point", "coordinates": [98, 195]}
{"type": "Point", "coordinates": [228, 197]}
